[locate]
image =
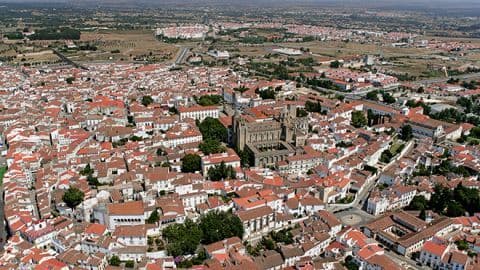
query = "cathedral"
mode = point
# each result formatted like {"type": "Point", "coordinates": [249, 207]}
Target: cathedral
{"type": "Point", "coordinates": [271, 139]}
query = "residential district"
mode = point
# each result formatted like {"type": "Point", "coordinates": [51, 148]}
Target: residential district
{"type": "Point", "coordinates": [265, 157]}
{"type": "Point", "coordinates": [126, 165]}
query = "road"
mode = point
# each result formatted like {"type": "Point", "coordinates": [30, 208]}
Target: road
{"type": "Point", "coordinates": [405, 262]}
{"type": "Point", "coordinates": [352, 214]}
{"type": "Point", "coordinates": [181, 55]}
{"type": "Point", "coordinates": [443, 79]}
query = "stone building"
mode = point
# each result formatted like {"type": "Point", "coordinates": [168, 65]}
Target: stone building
{"type": "Point", "coordinates": [270, 140]}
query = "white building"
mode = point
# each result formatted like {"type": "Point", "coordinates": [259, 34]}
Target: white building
{"type": "Point", "coordinates": [230, 158]}
{"type": "Point", "coordinates": [257, 221]}
{"type": "Point", "coordinates": [198, 112]}
{"type": "Point", "coordinates": [135, 235]}
{"type": "Point", "coordinates": [393, 198]}
{"type": "Point", "coordinates": [128, 213]}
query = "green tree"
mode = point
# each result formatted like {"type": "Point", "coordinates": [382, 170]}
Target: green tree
{"type": "Point", "coordinates": [73, 197]}
{"type": "Point", "coordinates": [462, 244]}
{"type": "Point", "coordinates": [161, 152]}
{"type": "Point", "coordinates": [213, 129]}
{"type": "Point", "coordinates": [386, 156]}
{"type": "Point", "coordinates": [372, 95]}
{"type": "Point", "coordinates": [358, 119]}
{"type": "Point", "coordinates": [418, 203]}
{"type": "Point", "coordinates": [154, 217]}
{"type": "Point", "coordinates": [406, 133]}
{"type": "Point", "coordinates": [114, 261]}
{"type": "Point", "coordinates": [466, 103]}
{"type": "Point", "coordinates": [92, 181]}
{"type": "Point", "coordinates": [210, 146]}
{"type": "Point", "coordinates": [301, 112]}
{"type": "Point", "coordinates": [313, 107]}
{"type": "Point", "coordinates": [191, 163]}
{"type": "Point", "coordinates": [455, 209]}
{"type": "Point", "coordinates": [267, 94]}
{"type": "Point", "coordinates": [182, 239]}
{"type": "Point", "coordinates": [439, 198]}
{"type": "Point", "coordinates": [209, 100]}
{"type": "Point", "coordinates": [87, 170]}
{"type": "Point", "coordinates": [63, 33]}
{"type": "Point", "coordinates": [217, 226]}
{"type": "Point", "coordinates": [387, 98]}
{"type": "Point", "coordinates": [220, 172]}
{"type": "Point", "coordinates": [245, 157]}
{"type": "Point", "coordinates": [335, 64]}
{"type": "Point", "coordinates": [147, 100]}
{"type": "Point", "coordinates": [280, 71]}
{"type": "Point", "coordinates": [468, 197]}
{"type": "Point", "coordinates": [268, 243]}
{"type": "Point", "coordinates": [129, 264]}
{"type": "Point", "coordinates": [423, 214]}
{"type": "Point", "coordinates": [350, 263]}
{"type": "Point", "coordinates": [284, 236]}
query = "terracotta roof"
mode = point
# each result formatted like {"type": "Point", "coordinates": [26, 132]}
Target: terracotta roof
{"type": "Point", "coordinates": [132, 208]}
{"type": "Point", "coordinates": [130, 231]}
{"type": "Point", "coordinates": [254, 213]}
{"type": "Point", "coordinates": [434, 248]}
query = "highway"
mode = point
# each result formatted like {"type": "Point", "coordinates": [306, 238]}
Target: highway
{"type": "Point", "coordinates": [468, 76]}
{"type": "Point", "coordinates": [181, 55]}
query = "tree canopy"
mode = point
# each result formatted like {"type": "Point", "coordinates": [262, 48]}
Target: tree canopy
{"type": "Point", "coordinates": [209, 100]}
{"type": "Point", "coordinates": [267, 93]}
{"type": "Point", "coordinates": [406, 133]}
{"type": "Point", "coordinates": [114, 261]}
{"type": "Point", "coordinates": [221, 171]}
{"type": "Point", "coordinates": [154, 217]}
{"type": "Point", "coordinates": [358, 119]}
{"type": "Point", "coordinates": [184, 239]}
{"type": "Point", "coordinates": [147, 100]}
{"type": "Point", "coordinates": [388, 98]}
{"type": "Point", "coordinates": [217, 226]}
{"type": "Point", "coordinates": [335, 64]}
{"type": "Point", "coordinates": [73, 197]}
{"type": "Point", "coordinates": [372, 95]}
{"type": "Point", "coordinates": [191, 163]}
{"type": "Point", "coordinates": [56, 34]}
{"type": "Point", "coordinates": [210, 146]}
{"type": "Point", "coordinates": [212, 129]}
{"type": "Point", "coordinates": [313, 107]}
{"type": "Point", "coordinates": [452, 203]}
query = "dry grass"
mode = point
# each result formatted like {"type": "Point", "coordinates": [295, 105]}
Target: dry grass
{"type": "Point", "coordinates": [130, 43]}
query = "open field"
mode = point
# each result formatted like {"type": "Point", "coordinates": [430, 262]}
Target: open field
{"type": "Point", "coordinates": [127, 44]}
{"type": "Point", "coordinates": [418, 62]}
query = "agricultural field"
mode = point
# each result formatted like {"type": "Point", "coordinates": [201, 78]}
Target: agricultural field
{"type": "Point", "coordinates": [126, 45]}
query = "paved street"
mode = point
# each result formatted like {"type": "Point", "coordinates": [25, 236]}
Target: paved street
{"type": "Point", "coordinates": [405, 262]}
{"type": "Point", "coordinates": [181, 55]}
{"type": "Point", "coordinates": [352, 214]}
{"type": "Point", "coordinates": [444, 79]}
